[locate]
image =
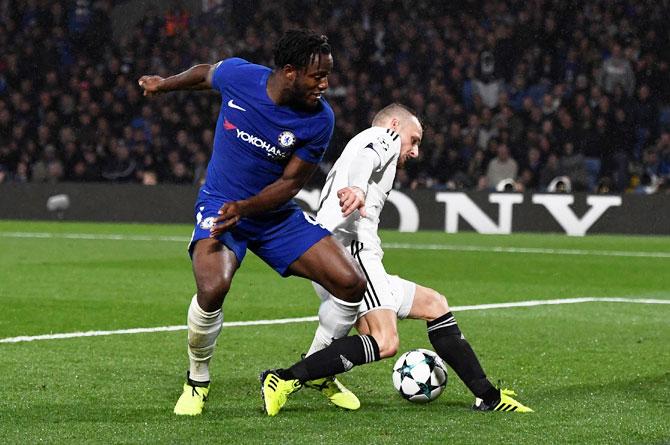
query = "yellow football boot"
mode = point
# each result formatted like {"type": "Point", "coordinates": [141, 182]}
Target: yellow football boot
{"type": "Point", "coordinates": [336, 392]}
{"type": "Point", "coordinates": [506, 403]}
{"type": "Point", "coordinates": [275, 391]}
{"type": "Point", "coordinates": [192, 399]}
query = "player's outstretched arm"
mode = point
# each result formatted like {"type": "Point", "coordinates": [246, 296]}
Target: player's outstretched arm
{"type": "Point", "coordinates": [296, 174]}
{"type": "Point", "coordinates": [198, 77]}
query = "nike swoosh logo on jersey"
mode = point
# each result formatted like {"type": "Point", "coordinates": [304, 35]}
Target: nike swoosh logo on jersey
{"type": "Point", "coordinates": [232, 104]}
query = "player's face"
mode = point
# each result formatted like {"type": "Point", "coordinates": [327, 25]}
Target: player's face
{"type": "Point", "coordinates": [311, 82]}
{"type": "Point", "coordinates": [410, 139]}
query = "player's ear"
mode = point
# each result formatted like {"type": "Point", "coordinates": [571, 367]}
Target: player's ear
{"type": "Point", "coordinates": [290, 72]}
{"type": "Point", "coordinates": [395, 123]}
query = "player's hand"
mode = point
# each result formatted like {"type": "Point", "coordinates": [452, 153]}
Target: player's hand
{"type": "Point", "coordinates": [229, 215]}
{"type": "Point", "coordinates": [351, 199]}
{"type": "Point", "coordinates": [150, 84]}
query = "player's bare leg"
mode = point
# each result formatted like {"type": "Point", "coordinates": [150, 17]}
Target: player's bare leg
{"type": "Point", "coordinates": [328, 263]}
{"type": "Point", "coordinates": [455, 350]}
{"type": "Point", "coordinates": [382, 324]}
{"type": "Point", "coordinates": [214, 266]}
{"type": "Point", "coordinates": [428, 304]}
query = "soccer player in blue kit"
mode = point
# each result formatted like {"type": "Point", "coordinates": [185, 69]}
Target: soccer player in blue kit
{"type": "Point", "coordinates": [272, 131]}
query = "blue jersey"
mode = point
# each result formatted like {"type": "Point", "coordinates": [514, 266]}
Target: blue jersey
{"type": "Point", "coordinates": [255, 138]}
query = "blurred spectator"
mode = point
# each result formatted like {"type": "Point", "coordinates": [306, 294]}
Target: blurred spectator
{"type": "Point", "coordinates": [179, 174]}
{"type": "Point", "coordinates": [550, 171]}
{"type": "Point", "coordinates": [618, 159]}
{"type": "Point", "coordinates": [662, 148]}
{"type": "Point", "coordinates": [42, 169]}
{"type": "Point", "coordinates": [617, 70]}
{"type": "Point", "coordinates": [573, 165]}
{"type": "Point", "coordinates": [486, 85]}
{"type": "Point", "coordinates": [86, 168]}
{"type": "Point", "coordinates": [502, 167]}
{"type": "Point", "coordinates": [650, 177]}
{"type": "Point", "coordinates": [149, 177]}
{"type": "Point", "coordinates": [120, 165]}
{"type": "Point", "coordinates": [530, 169]}
{"type": "Point", "coordinates": [645, 117]}
{"type": "Point", "coordinates": [176, 20]}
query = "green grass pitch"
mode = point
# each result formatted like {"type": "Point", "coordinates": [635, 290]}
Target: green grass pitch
{"type": "Point", "coordinates": [594, 372]}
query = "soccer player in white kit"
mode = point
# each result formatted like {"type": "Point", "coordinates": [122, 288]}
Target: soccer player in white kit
{"type": "Point", "coordinates": [350, 205]}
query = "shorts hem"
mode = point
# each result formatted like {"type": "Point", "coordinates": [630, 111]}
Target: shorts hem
{"type": "Point", "coordinates": [284, 271]}
{"type": "Point", "coordinates": [376, 308]}
{"type": "Point", "coordinates": [192, 243]}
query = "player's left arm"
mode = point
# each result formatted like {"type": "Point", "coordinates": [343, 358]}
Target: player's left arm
{"type": "Point", "coordinates": [296, 174]}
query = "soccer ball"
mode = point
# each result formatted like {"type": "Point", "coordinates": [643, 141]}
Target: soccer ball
{"type": "Point", "coordinates": [419, 375]}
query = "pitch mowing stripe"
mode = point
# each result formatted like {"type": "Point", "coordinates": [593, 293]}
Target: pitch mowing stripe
{"type": "Point", "coordinates": [478, 307]}
{"type": "Point", "coordinates": [406, 246]}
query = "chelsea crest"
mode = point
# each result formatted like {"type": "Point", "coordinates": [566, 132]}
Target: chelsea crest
{"type": "Point", "coordinates": [286, 139]}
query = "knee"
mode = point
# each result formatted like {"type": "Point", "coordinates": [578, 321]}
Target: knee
{"type": "Point", "coordinates": [437, 305]}
{"type": "Point", "coordinates": [351, 287]}
{"type": "Point", "coordinates": [211, 294]}
{"type": "Point", "coordinates": [388, 344]}
{"type": "Point", "coordinates": [357, 287]}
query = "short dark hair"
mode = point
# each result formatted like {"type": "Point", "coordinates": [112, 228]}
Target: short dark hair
{"type": "Point", "coordinates": [298, 47]}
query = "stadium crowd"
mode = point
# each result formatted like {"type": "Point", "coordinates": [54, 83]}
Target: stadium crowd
{"type": "Point", "coordinates": [513, 94]}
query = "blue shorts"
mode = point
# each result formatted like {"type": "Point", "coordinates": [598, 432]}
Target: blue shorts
{"type": "Point", "coordinates": [278, 239]}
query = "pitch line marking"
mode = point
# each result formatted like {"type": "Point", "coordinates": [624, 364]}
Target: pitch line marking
{"type": "Point", "coordinates": [405, 246]}
{"type": "Point", "coordinates": [533, 250]}
{"type": "Point", "coordinates": [477, 307]}
{"type": "Point", "coordinates": [94, 236]}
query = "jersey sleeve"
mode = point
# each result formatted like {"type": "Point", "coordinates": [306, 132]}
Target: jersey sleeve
{"type": "Point", "coordinates": [224, 72]}
{"type": "Point", "coordinates": [314, 149]}
{"type": "Point", "coordinates": [385, 144]}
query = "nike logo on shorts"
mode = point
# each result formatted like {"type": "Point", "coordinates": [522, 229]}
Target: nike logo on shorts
{"type": "Point", "coordinates": [232, 104]}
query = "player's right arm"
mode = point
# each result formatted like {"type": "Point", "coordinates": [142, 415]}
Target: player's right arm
{"type": "Point", "coordinates": [352, 197]}
{"type": "Point", "coordinates": [296, 174]}
{"type": "Point", "coordinates": [198, 77]}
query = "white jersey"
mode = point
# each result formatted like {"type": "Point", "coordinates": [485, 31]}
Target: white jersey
{"type": "Point", "coordinates": [386, 145]}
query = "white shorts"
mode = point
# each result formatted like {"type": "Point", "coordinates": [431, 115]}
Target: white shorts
{"type": "Point", "coordinates": [384, 291]}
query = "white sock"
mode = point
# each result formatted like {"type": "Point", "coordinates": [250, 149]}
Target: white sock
{"type": "Point", "coordinates": [203, 329]}
{"type": "Point", "coordinates": [321, 340]}
{"type": "Point", "coordinates": [336, 318]}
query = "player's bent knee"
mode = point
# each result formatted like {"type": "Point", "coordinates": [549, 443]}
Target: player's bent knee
{"type": "Point", "coordinates": [389, 351]}
{"type": "Point", "coordinates": [388, 344]}
{"type": "Point", "coordinates": [352, 288]}
{"type": "Point", "coordinates": [440, 302]}
{"type": "Point", "coordinates": [358, 290]}
{"type": "Point", "coordinates": [436, 305]}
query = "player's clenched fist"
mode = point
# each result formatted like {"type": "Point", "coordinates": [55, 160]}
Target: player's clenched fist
{"type": "Point", "coordinates": [352, 198]}
{"type": "Point", "coordinates": [150, 84]}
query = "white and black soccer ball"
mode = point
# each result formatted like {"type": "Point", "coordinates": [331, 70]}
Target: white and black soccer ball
{"type": "Point", "coordinates": [419, 375]}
